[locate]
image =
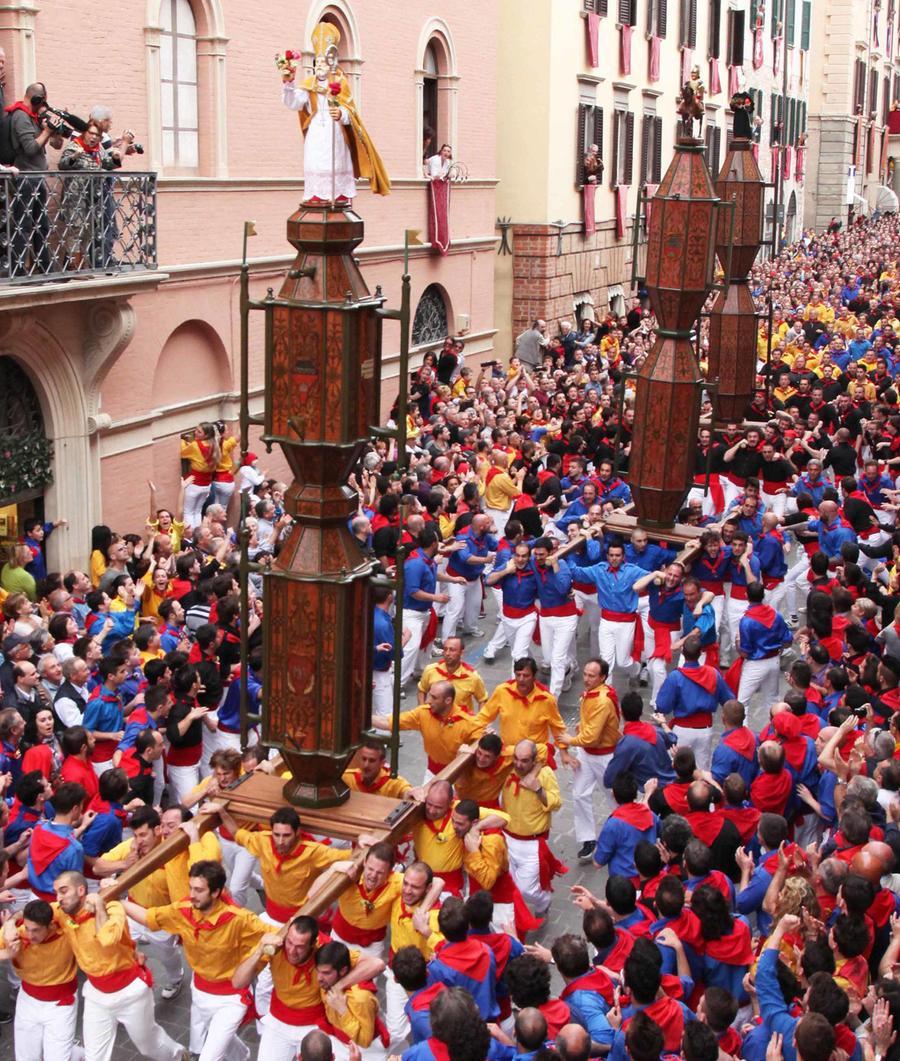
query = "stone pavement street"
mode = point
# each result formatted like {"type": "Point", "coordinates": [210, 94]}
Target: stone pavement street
{"type": "Point", "coordinates": [564, 916]}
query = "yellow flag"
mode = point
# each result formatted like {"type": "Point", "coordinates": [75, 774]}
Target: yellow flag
{"type": "Point", "coordinates": [412, 237]}
{"type": "Point", "coordinates": [249, 228]}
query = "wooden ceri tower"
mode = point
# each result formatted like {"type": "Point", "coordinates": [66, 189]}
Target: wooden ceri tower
{"type": "Point", "coordinates": [679, 274]}
{"type": "Point", "coordinates": [732, 320]}
{"type": "Point", "coordinates": [323, 370]}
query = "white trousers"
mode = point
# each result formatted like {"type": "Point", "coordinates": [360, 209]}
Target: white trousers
{"type": "Point", "coordinates": [590, 610]}
{"type": "Point", "coordinates": [415, 622]}
{"type": "Point", "coordinates": [215, 1020]}
{"type": "Point", "coordinates": [101, 768]}
{"type": "Point", "coordinates": [775, 596]}
{"type": "Point", "coordinates": [395, 999]}
{"type": "Point", "coordinates": [463, 607]}
{"type": "Point", "coordinates": [616, 644]}
{"type": "Point", "coordinates": [132, 1007]}
{"type": "Point", "coordinates": [696, 494]}
{"type": "Point", "coordinates": [774, 502]}
{"type": "Point", "coordinates": [194, 500]}
{"type": "Point", "coordinates": [730, 490]}
{"type": "Point", "coordinates": [382, 691]}
{"type": "Point", "coordinates": [262, 989]}
{"type": "Point", "coordinates": [797, 585]}
{"type": "Point", "coordinates": [558, 646]}
{"type": "Point", "coordinates": [499, 639]}
{"type": "Point", "coordinates": [181, 780]}
{"type": "Point", "coordinates": [44, 1031]}
{"type": "Point", "coordinates": [759, 676]}
{"type": "Point", "coordinates": [588, 777]}
{"type": "Point", "coordinates": [242, 869]}
{"type": "Point", "coordinates": [375, 1052]}
{"type": "Point", "coordinates": [698, 739]}
{"type": "Point", "coordinates": [525, 870]}
{"type": "Point", "coordinates": [500, 516]}
{"type": "Point", "coordinates": [280, 1041]}
{"type": "Point", "coordinates": [734, 613]}
{"type": "Point", "coordinates": [159, 945]}
{"type": "Point", "coordinates": [643, 618]}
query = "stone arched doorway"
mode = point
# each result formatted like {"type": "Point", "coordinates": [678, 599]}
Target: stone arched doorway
{"type": "Point", "coordinates": [790, 222]}
{"type": "Point", "coordinates": [26, 454]}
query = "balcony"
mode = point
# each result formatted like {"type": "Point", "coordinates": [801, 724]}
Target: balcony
{"type": "Point", "coordinates": [70, 226]}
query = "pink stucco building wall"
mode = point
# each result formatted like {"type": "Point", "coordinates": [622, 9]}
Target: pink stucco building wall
{"type": "Point", "coordinates": [122, 364]}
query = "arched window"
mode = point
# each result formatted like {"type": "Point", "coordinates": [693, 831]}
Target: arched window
{"type": "Point", "coordinates": [437, 85]}
{"type": "Point", "coordinates": [430, 144]}
{"type": "Point", "coordinates": [340, 14]}
{"type": "Point", "coordinates": [178, 85]}
{"type": "Point", "coordinates": [430, 322]}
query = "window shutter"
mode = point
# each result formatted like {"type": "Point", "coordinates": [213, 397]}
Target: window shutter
{"type": "Point", "coordinates": [598, 130]}
{"type": "Point", "coordinates": [629, 147]}
{"type": "Point", "coordinates": [754, 10]}
{"type": "Point", "coordinates": [626, 12]}
{"type": "Point", "coordinates": [662, 17]}
{"type": "Point", "coordinates": [645, 148]}
{"type": "Point", "coordinates": [584, 110]}
{"type": "Point", "coordinates": [790, 24]}
{"type": "Point", "coordinates": [803, 120]}
{"type": "Point", "coordinates": [692, 40]}
{"type": "Point", "coordinates": [872, 101]}
{"type": "Point", "coordinates": [776, 17]}
{"type": "Point", "coordinates": [718, 148]}
{"type": "Point", "coordinates": [602, 7]}
{"type": "Point", "coordinates": [805, 25]}
{"type": "Point", "coordinates": [657, 150]}
{"type": "Point", "coordinates": [736, 38]}
{"type": "Point", "coordinates": [614, 168]}
{"type": "Point", "coordinates": [885, 100]}
{"type": "Point", "coordinates": [715, 29]}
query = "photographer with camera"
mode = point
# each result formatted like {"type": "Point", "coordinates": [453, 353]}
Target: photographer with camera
{"type": "Point", "coordinates": [32, 127]}
{"type": "Point", "coordinates": [117, 149]}
{"type": "Point", "coordinates": [82, 199]}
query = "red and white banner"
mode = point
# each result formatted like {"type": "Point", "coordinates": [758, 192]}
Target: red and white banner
{"type": "Point", "coordinates": [592, 24]}
{"type": "Point", "coordinates": [715, 84]}
{"type": "Point", "coordinates": [776, 56]}
{"type": "Point", "coordinates": [650, 189]}
{"type": "Point", "coordinates": [786, 167]}
{"type": "Point", "coordinates": [588, 199]}
{"type": "Point", "coordinates": [653, 72]}
{"type": "Point", "coordinates": [625, 48]}
{"type": "Point", "coordinates": [757, 49]}
{"type": "Point", "coordinates": [439, 214]}
{"type": "Point", "coordinates": [734, 79]}
{"type": "Point", "coordinates": [775, 156]}
{"type": "Point", "coordinates": [687, 60]}
{"type": "Point", "coordinates": [621, 209]}
{"type": "Point", "coordinates": [801, 162]}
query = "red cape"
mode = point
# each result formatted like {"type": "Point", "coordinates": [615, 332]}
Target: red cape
{"type": "Point", "coordinates": [557, 1014]}
{"type": "Point", "coordinates": [733, 949]}
{"type": "Point", "coordinates": [596, 981]}
{"type": "Point", "coordinates": [675, 795]}
{"type": "Point", "coordinates": [741, 741]}
{"type": "Point", "coordinates": [471, 957]}
{"type": "Point", "coordinates": [761, 613]}
{"type": "Point", "coordinates": [705, 825]}
{"type": "Point", "coordinates": [745, 818]}
{"type": "Point", "coordinates": [705, 677]}
{"type": "Point", "coordinates": [771, 792]}
{"type": "Point", "coordinates": [641, 730]}
{"type": "Point", "coordinates": [44, 847]}
{"type": "Point", "coordinates": [422, 999]}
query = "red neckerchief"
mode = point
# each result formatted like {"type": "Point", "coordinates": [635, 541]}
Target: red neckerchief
{"type": "Point", "coordinates": [733, 948]}
{"type": "Point", "coordinates": [741, 741]}
{"type": "Point", "coordinates": [705, 677]}
{"type": "Point", "coordinates": [429, 824]}
{"type": "Point", "coordinates": [19, 105]}
{"type": "Point", "coordinates": [770, 792]}
{"type": "Point", "coordinates": [95, 150]}
{"type": "Point", "coordinates": [204, 924]}
{"type": "Point", "coordinates": [762, 614]}
{"type": "Point", "coordinates": [527, 700]}
{"type": "Point", "coordinates": [376, 785]}
{"type": "Point", "coordinates": [706, 825]}
{"type": "Point", "coordinates": [637, 815]}
{"type": "Point", "coordinates": [461, 673]}
{"type": "Point", "coordinates": [368, 898]}
{"type": "Point", "coordinates": [642, 730]}
{"type": "Point", "coordinates": [281, 859]}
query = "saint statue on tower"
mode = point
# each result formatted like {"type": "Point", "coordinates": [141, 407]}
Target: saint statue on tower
{"type": "Point", "coordinates": [337, 148]}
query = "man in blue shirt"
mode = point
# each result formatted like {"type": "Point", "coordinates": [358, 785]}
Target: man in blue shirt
{"type": "Point", "coordinates": [36, 533]}
{"type": "Point", "coordinates": [629, 824]}
{"type": "Point", "coordinates": [643, 750]}
{"type": "Point", "coordinates": [691, 694]}
{"type": "Point", "coordinates": [621, 634]}
{"type": "Point", "coordinates": [763, 636]}
{"type": "Point", "coordinates": [467, 565]}
{"type": "Point", "coordinates": [420, 578]}
{"type": "Point", "coordinates": [755, 879]}
{"type": "Point", "coordinates": [383, 654]}
{"type": "Point", "coordinates": [55, 846]}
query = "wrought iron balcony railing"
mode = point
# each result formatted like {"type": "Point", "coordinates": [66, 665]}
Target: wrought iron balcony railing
{"type": "Point", "coordinates": [61, 225]}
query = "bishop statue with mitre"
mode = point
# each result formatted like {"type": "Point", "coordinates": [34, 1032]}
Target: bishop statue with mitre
{"type": "Point", "coordinates": [337, 147]}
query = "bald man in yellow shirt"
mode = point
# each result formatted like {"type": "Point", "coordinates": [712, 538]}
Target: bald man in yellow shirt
{"type": "Point", "coordinates": [501, 489]}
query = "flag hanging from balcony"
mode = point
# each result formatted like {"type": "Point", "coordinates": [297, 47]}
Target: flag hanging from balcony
{"type": "Point", "coordinates": [734, 79]}
{"type": "Point", "coordinates": [776, 56]}
{"type": "Point", "coordinates": [775, 154]}
{"type": "Point", "coordinates": [798, 171]}
{"type": "Point", "coordinates": [625, 48]}
{"type": "Point", "coordinates": [757, 49]}
{"type": "Point", "coordinates": [439, 214]}
{"type": "Point", "coordinates": [786, 167]}
{"type": "Point", "coordinates": [588, 199]}
{"type": "Point", "coordinates": [687, 59]}
{"type": "Point", "coordinates": [621, 208]}
{"type": "Point", "coordinates": [592, 24]}
{"type": "Point", "coordinates": [649, 191]}
{"type": "Point", "coordinates": [715, 84]}
{"type": "Point", "coordinates": [653, 73]}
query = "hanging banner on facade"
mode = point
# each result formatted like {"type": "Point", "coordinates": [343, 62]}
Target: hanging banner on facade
{"type": "Point", "coordinates": [653, 73]}
{"type": "Point", "coordinates": [715, 84]}
{"type": "Point", "coordinates": [588, 199]}
{"type": "Point", "coordinates": [621, 208]}
{"type": "Point", "coordinates": [625, 49]}
{"type": "Point", "coordinates": [592, 24]}
{"type": "Point", "coordinates": [439, 214]}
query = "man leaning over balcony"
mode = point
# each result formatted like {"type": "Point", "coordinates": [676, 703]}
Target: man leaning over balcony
{"type": "Point", "coordinates": [32, 128]}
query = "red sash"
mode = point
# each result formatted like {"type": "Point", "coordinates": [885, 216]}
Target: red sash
{"type": "Point", "coordinates": [662, 638]}
{"type": "Point", "coordinates": [637, 646]}
{"type": "Point", "coordinates": [61, 994]}
{"type": "Point", "coordinates": [112, 982]}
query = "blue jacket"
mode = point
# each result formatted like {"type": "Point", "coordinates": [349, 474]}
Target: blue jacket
{"type": "Point", "coordinates": [805, 485]}
{"type": "Point", "coordinates": [419, 573]}
{"type": "Point", "coordinates": [831, 536]}
{"type": "Point", "coordinates": [750, 900]}
{"type": "Point", "coordinates": [458, 565]}
{"type": "Point", "coordinates": [770, 554]}
{"type": "Point", "coordinates": [682, 697]}
{"type": "Point", "coordinates": [651, 559]}
{"type": "Point", "coordinates": [69, 857]}
{"type": "Point", "coordinates": [759, 641]}
{"type": "Point", "coordinates": [589, 1008]}
{"type": "Point", "coordinates": [553, 587]}
{"type": "Point", "coordinates": [230, 711]}
{"type": "Point", "coordinates": [642, 759]}
{"type": "Point", "coordinates": [727, 761]}
{"type": "Point", "coordinates": [519, 589]}
{"type": "Point", "coordinates": [704, 624]}
{"type": "Point", "coordinates": [103, 712]}
{"type": "Point", "coordinates": [482, 989]}
{"type": "Point", "coordinates": [382, 634]}
{"type": "Point", "coordinates": [617, 841]}
{"type": "Point", "coordinates": [614, 588]}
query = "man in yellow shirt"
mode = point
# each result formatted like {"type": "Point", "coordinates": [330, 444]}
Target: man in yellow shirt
{"type": "Point", "coordinates": [444, 727]}
{"type": "Point", "coordinates": [216, 937]}
{"type": "Point", "coordinates": [154, 889]}
{"type": "Point", "coordinates": [470, 691]}
{"type": "Point", "coordinates": [530, 796]}
{"type": "Point", "coordinates": [117, 989]}
{"type": "Point", "coordinates": [352, 1011]}
{"type": "Point", "coordinates": [371, 775]}
{"type": "Point", "coordinates": [364, 909]}
{"type": "Point", "coordinates": [526, 710]}
{"type": "Point", "coordinates": [46, 1007]}
{"type": "Point", "coordinates": [501, 489]}
{"type": "Point", "coordinates": [413, 924]}
{"type": "Point", "coordinates": [296, 1008]}
{"type": "Point", "coordinates": [596, 740]}
{"type": "Point", "coordinates": [484, 777]}
{"type": "Point", "coordinates": [486, 862]}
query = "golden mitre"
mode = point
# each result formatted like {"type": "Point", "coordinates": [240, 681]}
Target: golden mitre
{"type": "Point", "coordinates": [325, 36]}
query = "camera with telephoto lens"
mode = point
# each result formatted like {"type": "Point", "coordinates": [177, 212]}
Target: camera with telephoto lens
{"type": "Point", "coordinates": [138, 149]}
{"type": "Point", "coordinates": [71, 122]}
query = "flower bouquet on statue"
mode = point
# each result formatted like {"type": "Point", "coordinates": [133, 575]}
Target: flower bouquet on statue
{"type": "Point", "coordinates": [287, 62]}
